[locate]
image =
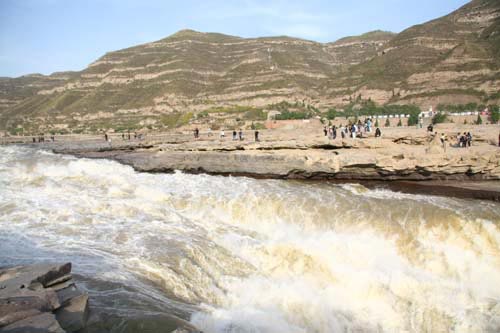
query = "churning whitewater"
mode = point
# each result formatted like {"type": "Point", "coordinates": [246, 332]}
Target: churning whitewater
{"type": "Point", "coordinates": [246, 255]}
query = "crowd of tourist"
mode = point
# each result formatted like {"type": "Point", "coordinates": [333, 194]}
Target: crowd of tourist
{"type": "Point", "coordinates": [464, 140]}
{"type": "Point", "coordinates": [41, 138]}
{"type": "Point", "coordinates": [237, 135]}
{"type": "Point", "coordinates": [355, 130]}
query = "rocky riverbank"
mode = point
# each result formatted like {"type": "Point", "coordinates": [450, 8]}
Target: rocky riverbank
{"type": "Point", "coordinates": [41, 298]}
{"type": "Point", "coordinates": [44, 298]}
{"type": "Point", "coordinates": [400, 155]}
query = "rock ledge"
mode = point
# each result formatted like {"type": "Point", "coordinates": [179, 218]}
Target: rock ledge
{"type": "Point", "coordinates": [41, 298]}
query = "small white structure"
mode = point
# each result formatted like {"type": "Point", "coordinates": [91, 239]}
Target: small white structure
{"type": "Point", "coordinates": [271, 114]}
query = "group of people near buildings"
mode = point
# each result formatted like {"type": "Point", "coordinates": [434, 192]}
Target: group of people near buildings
{"type": "Point", "coordinates": [352, 130]}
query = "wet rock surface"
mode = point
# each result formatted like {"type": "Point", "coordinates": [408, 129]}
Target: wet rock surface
{"type": "Point", "coordinates": [41, 298]}
{"type": "Point", "coordinates": [44, 298]}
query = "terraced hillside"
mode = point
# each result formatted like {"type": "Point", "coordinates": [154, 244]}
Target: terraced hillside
{"type": "Point", "coordinates": [187, 73]}
{"type": "Point", "coordinates": [191, 74]}
{"type": "Point", "coordinates": [453, 59]}
{"type": "Point", "coordinates": [15, 90]}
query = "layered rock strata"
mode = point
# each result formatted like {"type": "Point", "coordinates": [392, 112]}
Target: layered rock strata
{"type": "Point", "coordinates": [41, 298]}
{"type": "Point", "coordinates": [451, 60]}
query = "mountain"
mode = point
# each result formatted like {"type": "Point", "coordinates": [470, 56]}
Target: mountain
{"type": "Point", "coordinates": [15, 90]}
{"type": "Point", "coordinates": [453, 59]}
{"type": "Point", "coordinates": [188, 72]}
{"type": "Point", "coordinates": [354, 50]}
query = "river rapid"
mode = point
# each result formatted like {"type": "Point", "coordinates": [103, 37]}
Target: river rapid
{"type": "Point", "coordinates": [245, 255]}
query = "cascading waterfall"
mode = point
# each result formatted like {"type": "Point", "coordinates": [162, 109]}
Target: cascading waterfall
{"type": "Point", "coordinates": [245, 255]}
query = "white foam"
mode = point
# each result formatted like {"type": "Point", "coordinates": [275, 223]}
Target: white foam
{"type": "Point", "coordinates": [265, 256]}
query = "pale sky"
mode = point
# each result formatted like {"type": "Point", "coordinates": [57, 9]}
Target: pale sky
{"type": "Point", "coordinates": [45, 36]}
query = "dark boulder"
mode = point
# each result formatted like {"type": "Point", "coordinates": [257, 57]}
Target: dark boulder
{"type": "Point", "coordinates": [42, 323]}
{"type": "Point", "coordinates": [73, 315]}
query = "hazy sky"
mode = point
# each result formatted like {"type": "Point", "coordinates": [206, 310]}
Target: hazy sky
{"type": "Point", "coordinates": [44, 36]}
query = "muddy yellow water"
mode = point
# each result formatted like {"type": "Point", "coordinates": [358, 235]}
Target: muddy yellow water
{"type": "Point", "coordinates": [245, 255]}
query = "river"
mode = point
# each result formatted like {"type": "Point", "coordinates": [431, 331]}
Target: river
{"type": "Point", "coordinates": [245, 255]}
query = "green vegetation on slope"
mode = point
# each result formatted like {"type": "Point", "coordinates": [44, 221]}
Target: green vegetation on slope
{"type": "Point", "coordinates": [370, 108]}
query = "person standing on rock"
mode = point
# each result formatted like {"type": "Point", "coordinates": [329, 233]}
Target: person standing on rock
{"type": "Point", "coordinates": [378, 133]}
{"type": "Point", "coordinates": [469, 139]}
{"type": "Point", "coordinates": [222, 134]}
{"type": "Point", "coordinates": [334, 132]}
{"type": "Point", "coordinates": [443, 141]}
{"type": "Point", "coordinates": [257, 136]}
{"type": "Point", "coordinates": [240, 134]}
{"type": "Point", "coordinates": [466, 139]}
{"type": "Point", "coordinates": [106, 137]}
{"type": "Point", "coordinates": [234, 135]}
